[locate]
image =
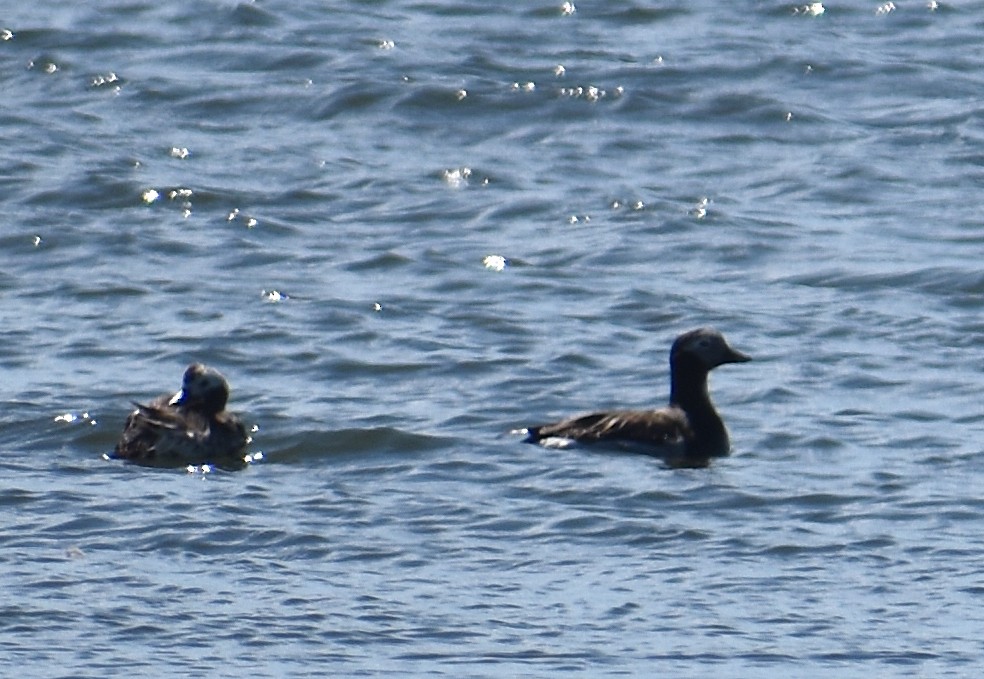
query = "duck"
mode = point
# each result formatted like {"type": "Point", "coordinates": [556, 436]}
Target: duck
{"type": "Point", "coordinates": [688, 432]}
{"type": "Point", "coordinates": [188, 428]}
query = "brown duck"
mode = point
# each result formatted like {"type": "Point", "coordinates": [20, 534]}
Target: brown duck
{"type": "Point", "coordinates": [190, 427]}
{"type": "Point", "coordinates": [688, 432]}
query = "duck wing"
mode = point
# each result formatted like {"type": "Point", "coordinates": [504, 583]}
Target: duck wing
{"type": "Point", "coordinates": [157, 416]}
{"type": "Point", "coordinates": [663, 427]}
{"type": "Point", "coordinates": [159, 430]}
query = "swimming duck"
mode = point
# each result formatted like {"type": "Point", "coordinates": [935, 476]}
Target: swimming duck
{"type": "Point", "coordinates": [190, 427]}
{"type": "Point", "coordinates": [688, 432]}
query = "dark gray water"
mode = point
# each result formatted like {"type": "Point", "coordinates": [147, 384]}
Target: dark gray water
{"type": "Point", "coordinates": [313, 197]}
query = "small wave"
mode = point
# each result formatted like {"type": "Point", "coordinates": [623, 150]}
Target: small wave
{"type": "Point", "coordinates": [316, 444]}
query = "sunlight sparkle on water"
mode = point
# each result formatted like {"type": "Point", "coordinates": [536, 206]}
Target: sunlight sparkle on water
{"type": "Point", "coordinates": [495, 262]}
{"type": "Point", "coordinates": [812, 9]}
{"type": "Point", "coordinates": [458, 177]}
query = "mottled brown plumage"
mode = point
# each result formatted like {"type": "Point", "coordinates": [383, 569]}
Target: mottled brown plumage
{"type": "Point", "coordinates": [190, 427]}
{"type": "Point", "coordinates": [688, 432]}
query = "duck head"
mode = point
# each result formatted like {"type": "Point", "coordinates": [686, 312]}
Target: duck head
{"type": "Point", "coordinates": [704, 348]}
{"type": "Point", "coordinates": [203, 390]}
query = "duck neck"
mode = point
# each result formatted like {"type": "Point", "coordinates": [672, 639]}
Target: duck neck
{"type": "Point", "coordinates": [688, 391]}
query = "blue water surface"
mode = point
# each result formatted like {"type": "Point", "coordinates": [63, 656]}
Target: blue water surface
{"type": "Point", "coordinates": [403, 229]}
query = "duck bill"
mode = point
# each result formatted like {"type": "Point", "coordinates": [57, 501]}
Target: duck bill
{"type": "Point", "coordinates": [177, 399]}
{"type": "Point", "coordinates": [737, 357]}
